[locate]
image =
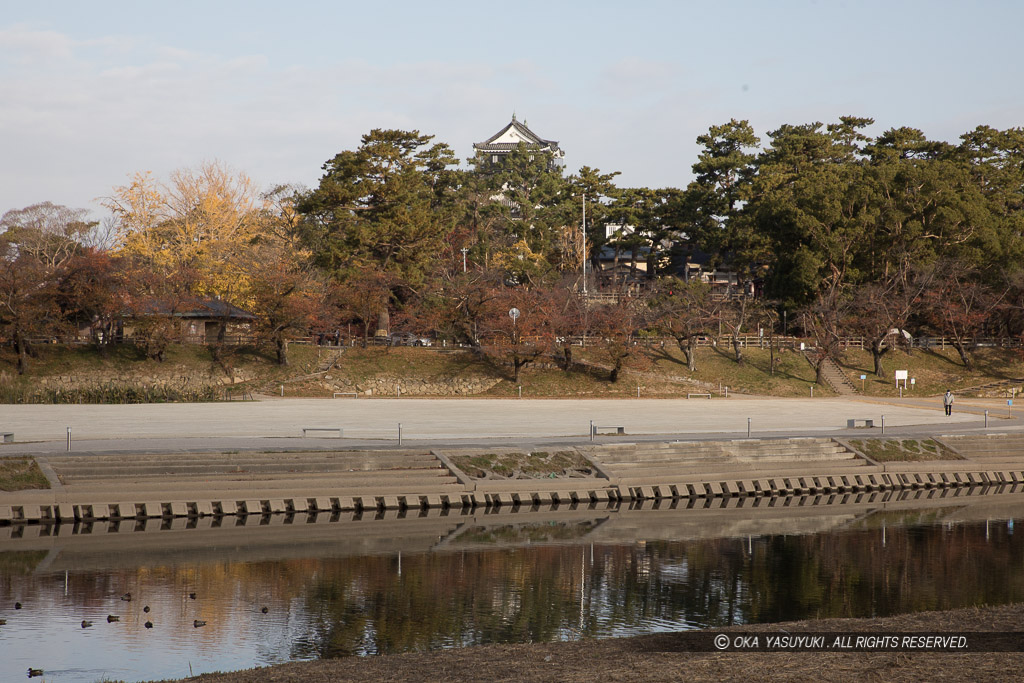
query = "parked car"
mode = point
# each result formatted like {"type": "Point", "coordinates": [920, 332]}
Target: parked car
{"type": "Point", "coordinates": [410, 339]}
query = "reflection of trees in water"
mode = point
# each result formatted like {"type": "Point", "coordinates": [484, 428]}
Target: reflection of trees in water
{"type": "Point", "coordinates": [363, 605]}
{"type": "Point", "coordinates": [854, 575]}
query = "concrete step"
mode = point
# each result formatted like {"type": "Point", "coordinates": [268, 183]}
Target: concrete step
{"type": "Point", "coordinates": [341, 459]}
{"type": "Point", "coordinates": [674, 457]}
{"type": "Point", "coordinates": [179, 470]}
{"type": "Point", "coordinates": [348, 478]}
{"type": "Point", "coordinates": [736, 464]}
{"type": "Point", "coordinates": [246, 493]}
{"type": "Point", "coordinates": [216, 461]}
{"type": "Point", "coordinates": [511, 485]}
{"type": "Point", "coordinates": [824, 452]}
{"type": "Point", "coordinates": [765, 459]}
{"type": "Point", "coordinates": [653, 474]}
{"type": "Point", "coordinates": [692, 449]}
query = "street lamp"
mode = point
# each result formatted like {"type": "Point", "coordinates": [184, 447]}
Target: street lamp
{"type": "Point", "coordinates": [514, 314]}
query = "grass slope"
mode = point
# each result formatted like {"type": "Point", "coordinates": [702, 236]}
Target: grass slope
{"type": "Point", "coordinates": [658, 370]}
{"type": "Point", "coordinates": [934, 370]}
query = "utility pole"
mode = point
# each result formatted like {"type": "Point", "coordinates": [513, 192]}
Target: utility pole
{"type": "Point", "coordinates": [583, 235]}
{"type": "Point", "coordinates": [464, 250]}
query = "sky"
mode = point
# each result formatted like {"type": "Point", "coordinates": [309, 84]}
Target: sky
{"type": "Point", "coordinates": [93, 92]}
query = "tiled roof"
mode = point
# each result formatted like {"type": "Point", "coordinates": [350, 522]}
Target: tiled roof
{"type": "Point", "coordinates": [195, 308]}
{"type": "Point", "coordinates": [502, 146]}
{"type": "Point", "coordinates": [531, 137]}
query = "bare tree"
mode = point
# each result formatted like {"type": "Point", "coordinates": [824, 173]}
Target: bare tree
{"type": "Point", "coordinates": [49, 233]}
{"type": "Point", "coordinates": [879, 312]}
{"type": "Point", "coordinates": [685, 311]}
{"type": "Point", "coordinates": [822, 321]}
{"type": "Point", "coordinates": [958, 306]}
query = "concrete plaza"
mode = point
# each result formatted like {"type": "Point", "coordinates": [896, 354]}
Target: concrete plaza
{"type": "Point", "coordinates": [277, 423]}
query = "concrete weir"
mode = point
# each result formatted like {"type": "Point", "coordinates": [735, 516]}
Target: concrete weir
{"type": "Point", "coordinates": [411, 482]}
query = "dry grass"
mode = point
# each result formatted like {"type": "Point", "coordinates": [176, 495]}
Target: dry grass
{"type": "Point", "coordinates": [793, 375]}
{"type": "Point", "coordinates": [20, 474]}
{"type": "Point", "coordinates": [934, 370]}
{"type": "Point", "coordinates": [659, 370]}
{"type": "Point", "coordinates": [903, 450]}
{"type": "Point", "coordinates": [516, 465]}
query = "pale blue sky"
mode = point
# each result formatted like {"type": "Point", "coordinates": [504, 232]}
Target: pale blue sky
{"type": "Point", "coordinates": [91, 92]}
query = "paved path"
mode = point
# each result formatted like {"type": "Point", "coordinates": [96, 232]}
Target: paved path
{"type": "Point", "coordinates": [278, 423]}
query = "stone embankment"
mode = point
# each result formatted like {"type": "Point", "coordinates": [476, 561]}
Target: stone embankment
{"type": "Point", "coordinates": [114, 487]}
{"type": "Point", "coordinates": [467, 385]}
{"type": "Point", "coordinates": [163, 377]}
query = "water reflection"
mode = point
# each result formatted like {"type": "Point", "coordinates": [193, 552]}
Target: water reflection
{"type": "Point", "coordinates": [382, 586]}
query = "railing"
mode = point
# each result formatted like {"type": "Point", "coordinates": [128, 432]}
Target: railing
{"type": "Point", "coordinates": [745, 341]}
{"type": "Point", "coordinates": [229, 339]}
{"type": "Point", "coordinates": [762, 341]}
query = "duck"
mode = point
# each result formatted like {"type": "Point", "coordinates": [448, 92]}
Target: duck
{"type": "Point", "coordinates": [127, 597]}
{"type": "Point", "coordinates": [112, 618]}
{"type": "Point", "coordinates": [264, 610]}
{"type": "Point", "coordinates": [86, 624]}
{"type": "Point", "coordinates": [192, 596]}
{"type": "Point", "coordinates": [17, 605]}
{"type": "Point", "coordinates": [146, 609]}
{"type": "Point", "coordinates": [197, 623]}
{"type": "Point", "coordinates": [32, 673]}
{"type": "Point", "coordinates": [148, 624]}
{"type": "Point", "coordinates": [3, 622]}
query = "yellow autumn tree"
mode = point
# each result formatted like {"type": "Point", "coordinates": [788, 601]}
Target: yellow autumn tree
{"type": "Point", "coordinates": [520, 264]}
{"type": "Point", "coordinates": [202, 221]}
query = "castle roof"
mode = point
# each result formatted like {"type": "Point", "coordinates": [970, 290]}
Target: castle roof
{"type": "Point", "coordinates": [514, 134]}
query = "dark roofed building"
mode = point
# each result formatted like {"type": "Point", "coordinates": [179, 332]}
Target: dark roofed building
{"type": "Point", "coordinates": [200, 320]}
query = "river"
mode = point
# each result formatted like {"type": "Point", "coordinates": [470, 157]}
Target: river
{"type": "Point", "coordinates": [226, 594]}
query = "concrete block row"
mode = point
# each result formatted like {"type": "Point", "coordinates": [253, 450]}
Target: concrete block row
{"type": "Point", "coordinates": [821, 484]}
{"type": "Point", "coordinates": [121, 510]}
{"type": "Point", "coordinates": [634, 489]}
{"type": "Point", "coordinates": [537, 498]}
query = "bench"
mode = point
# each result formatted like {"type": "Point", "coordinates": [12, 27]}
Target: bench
{"type": "Point", "coordinates": [7, 437]}
{"type": "Point", "coordinates": [346, 393]}
{"type": "Point", "coordinates": [692, 395]}
{"type": "Point", "coordinates": [323, 429]}
{"type": "Point", "coordinates": [618, 429]}
{"type": "Point", "coordinates": [851, 424]}
{"type": "Point", "coordinates": [243, 394]}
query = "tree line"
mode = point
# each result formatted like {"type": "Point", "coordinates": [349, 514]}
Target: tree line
{"type": "Point", "coordinates": [826, 232]}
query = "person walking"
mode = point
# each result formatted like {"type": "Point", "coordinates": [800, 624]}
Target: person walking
{"type": "Point", "coordinates": [947, 402]}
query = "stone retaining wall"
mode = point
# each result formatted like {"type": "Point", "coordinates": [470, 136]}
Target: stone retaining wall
{"type": "Point", "coordinates": [390, 386]}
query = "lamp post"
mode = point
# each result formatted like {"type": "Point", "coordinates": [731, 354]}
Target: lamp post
{"type": "Point", "coordinates": [514, 314]}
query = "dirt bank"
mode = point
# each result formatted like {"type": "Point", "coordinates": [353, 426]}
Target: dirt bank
{"type": "Point", "coordinates": [650, 658]}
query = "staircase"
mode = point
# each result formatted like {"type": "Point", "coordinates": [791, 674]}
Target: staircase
{"type": "Point", "coordinates": [649, 462]}
{"type": "Point", "coordinates": [834, 377]}
{"type": "Point", "coordinates": [328, 359]}
{"type": "Point", "coordinates": [264, 482]}
{"type": "Point", "coordinates": [995, 451]}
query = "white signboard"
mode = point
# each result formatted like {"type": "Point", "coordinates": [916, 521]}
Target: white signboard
{"type": "Point", "coordinates": [901, 374]}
